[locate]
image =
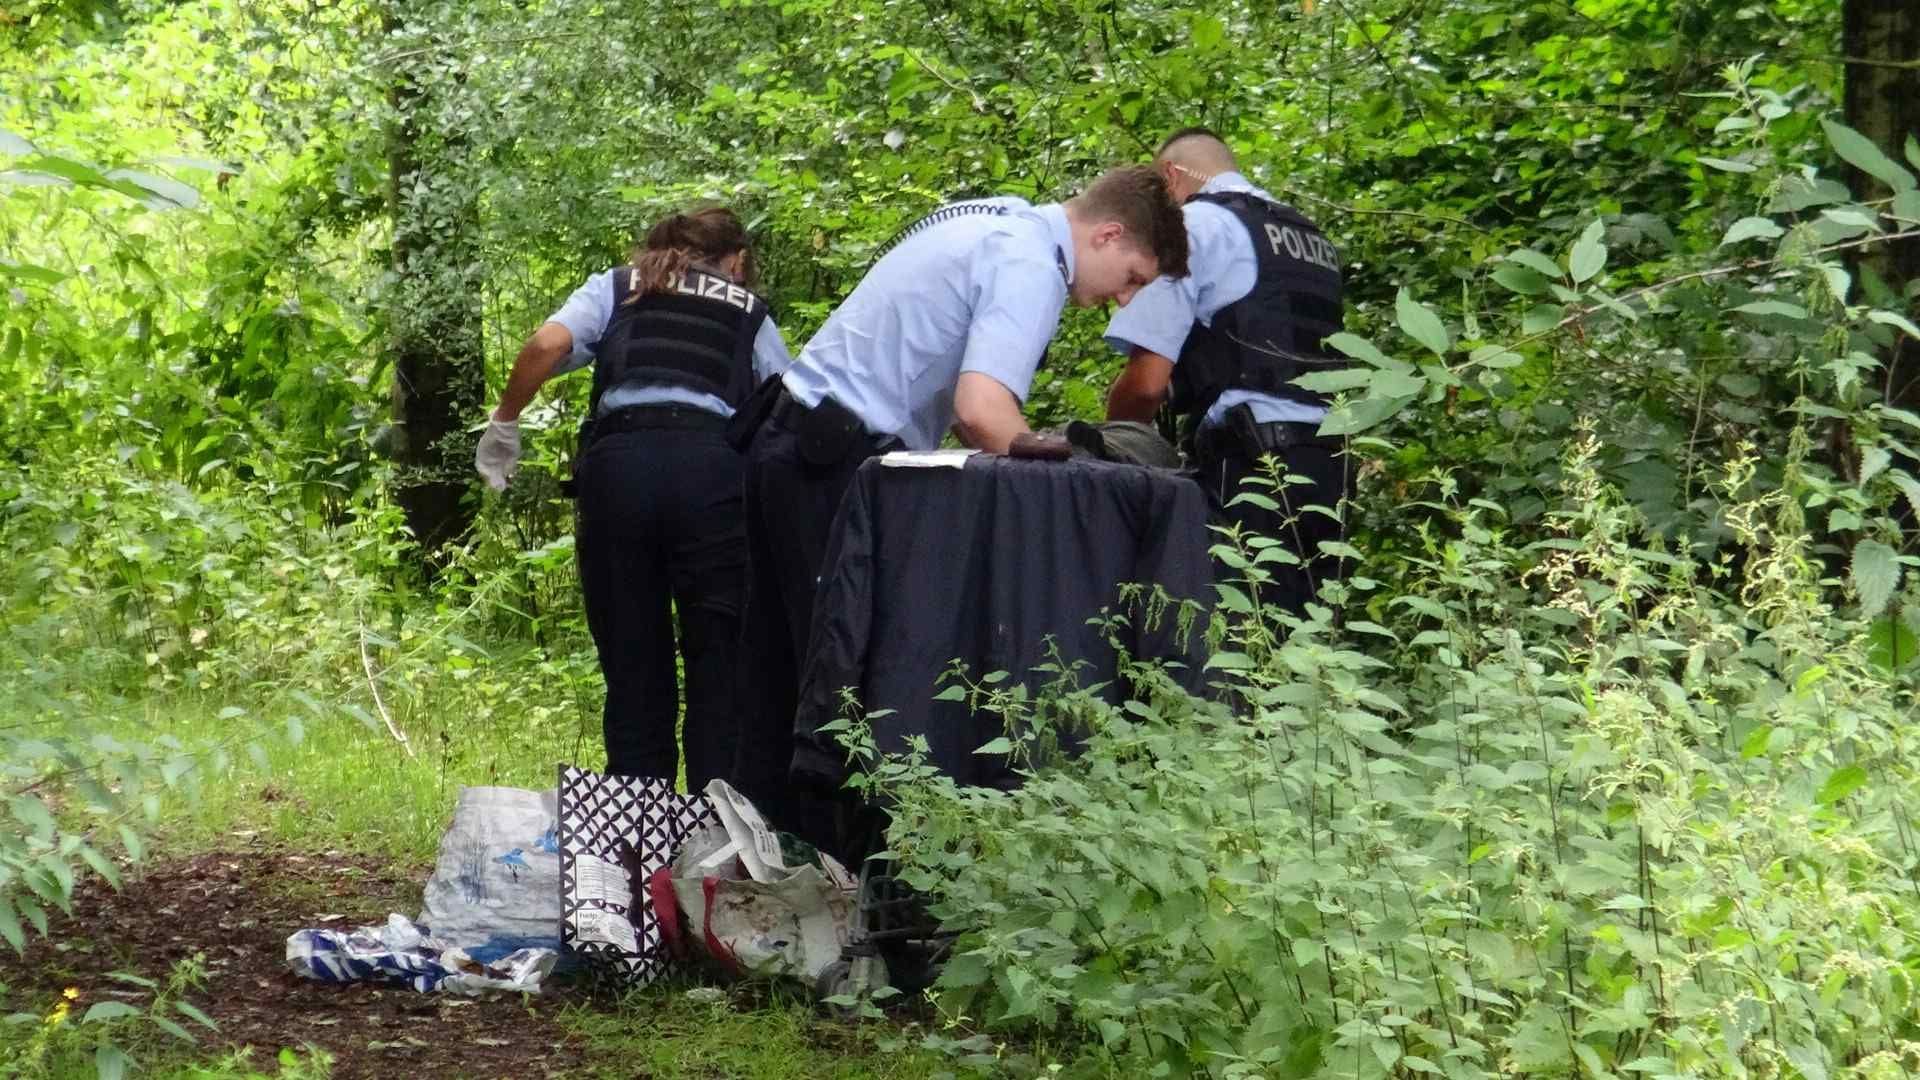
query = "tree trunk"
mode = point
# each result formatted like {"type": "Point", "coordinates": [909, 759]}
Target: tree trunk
{"type": "Point", "coordinates": [434, 311]}
{"type": "Point", "coordinates": [1881, 40]}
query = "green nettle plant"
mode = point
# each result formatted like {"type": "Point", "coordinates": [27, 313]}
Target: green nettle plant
{"type": "Point", "coordinates": [1579, 791]}
{"type": "Point", "coordinates": [1596, 807]}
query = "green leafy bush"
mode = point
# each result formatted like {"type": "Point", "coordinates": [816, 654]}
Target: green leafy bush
{"type": "Point", "coordinates": [1578, 804]}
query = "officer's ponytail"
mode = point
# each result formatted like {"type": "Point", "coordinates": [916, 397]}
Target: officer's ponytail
{"type": "Point", "coordinates": [679, 242]}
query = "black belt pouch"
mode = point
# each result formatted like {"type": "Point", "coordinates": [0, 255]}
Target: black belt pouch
{"type": "Point", "coordinates": [1240, 421]}
{"type": "Point", "coordinates": [827, 433]}
{"type": "Point", "coordinates": [570, 485]}
{"type": "Point", "coordinates": [752, 413]}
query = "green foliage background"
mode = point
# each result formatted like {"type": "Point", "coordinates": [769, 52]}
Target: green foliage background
{"type": "Point", "coordinates": [1634, 598]}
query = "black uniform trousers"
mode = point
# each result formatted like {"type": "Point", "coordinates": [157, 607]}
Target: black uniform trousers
{"type": "Point", "coordinates": [1226, 456]}
{"type": "Point", "coordinates": [662, 530]}
{"type": "Point", "coordinates": [791, 505]}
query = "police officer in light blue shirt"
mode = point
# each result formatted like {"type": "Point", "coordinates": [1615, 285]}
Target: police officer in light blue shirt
{"type": "Point", "coordinates": [980, 293]}
{"type": "Point", "coordinates": [1224, 344]}
{"type": "Point", "coordinates": [678, 342]}
{"type": "Point", "coordinates": [943, 333]}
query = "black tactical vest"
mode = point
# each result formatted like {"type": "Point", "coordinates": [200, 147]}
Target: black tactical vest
{"type": "Point", "coordinates": [1276, 332]}
{"type": "Point", "coordinates": [698, 335]}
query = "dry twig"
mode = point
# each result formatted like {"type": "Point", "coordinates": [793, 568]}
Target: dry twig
{"type": "Point", "coordinates": [373, 686]}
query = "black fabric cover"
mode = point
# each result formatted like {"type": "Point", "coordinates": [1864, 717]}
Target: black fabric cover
{"type": "Point", "coordinates": [927, 565]}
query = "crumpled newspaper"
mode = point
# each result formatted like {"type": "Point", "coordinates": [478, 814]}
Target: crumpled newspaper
{"type": "Point", "coordinates": [758, 910]}
{"type": "Point", "coordinates": [401, 952]}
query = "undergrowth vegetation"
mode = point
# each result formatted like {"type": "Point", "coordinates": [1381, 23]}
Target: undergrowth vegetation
{"type": "Point", "coordinates": [1576, 803]}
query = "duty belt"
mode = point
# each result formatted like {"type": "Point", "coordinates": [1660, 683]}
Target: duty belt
{"type": "Point", "coordinates": [1255, 439]}
{"type": "Point", "coordinates": [656, 418]}
{"type": "Point", "coordinates": [826, 433]}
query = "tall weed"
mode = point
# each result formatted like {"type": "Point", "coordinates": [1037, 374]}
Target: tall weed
{"type": "Point", "coordinates": [1580, 804]}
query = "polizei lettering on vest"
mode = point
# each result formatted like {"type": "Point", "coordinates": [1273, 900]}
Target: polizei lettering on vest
{"type": "Point", "coordinates": [1304, 246]}
{"type": "Point", "coordinates": [707, 287]}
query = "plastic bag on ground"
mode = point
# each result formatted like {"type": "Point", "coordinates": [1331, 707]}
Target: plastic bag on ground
{"type": "Point", "coordinates": [496, 883]}
{"type": "Point", "coordinates": [406, 954]}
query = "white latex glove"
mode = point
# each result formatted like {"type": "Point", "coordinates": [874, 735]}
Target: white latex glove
{"type": "Point", "coordinates": [498, 456]}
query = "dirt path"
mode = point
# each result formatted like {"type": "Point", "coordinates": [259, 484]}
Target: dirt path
{"type": "Point", "coordinates": [236, 910]}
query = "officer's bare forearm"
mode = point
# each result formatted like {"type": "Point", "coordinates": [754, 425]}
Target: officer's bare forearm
{"type": "Point", "coordinates": [986, 414]}
{"type": "Point", "coordinates": [1141, 388]}
{"type": "Point", "coordinates": [1127, 403]}
{"type": "Point", "coordinates": [538, 358]}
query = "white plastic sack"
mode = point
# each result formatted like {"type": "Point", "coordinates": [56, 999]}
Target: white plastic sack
{"type": "Point", "coordinates": [701, 859]}
{"type": "Point", "coordinates": [753, 842]}
{"type": "Point", "coordinates": [496, 883]}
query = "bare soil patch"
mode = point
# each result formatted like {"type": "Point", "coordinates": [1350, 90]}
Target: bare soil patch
{"type": "Point", "coordinates": [235, 909]}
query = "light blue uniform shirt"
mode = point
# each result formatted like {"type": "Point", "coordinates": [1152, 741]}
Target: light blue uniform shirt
{"type": "Point", "coordinates": [1221, 269]}
{"type": "Point", "coordinates": [588, 313]}
{"type": "Point", "coordinates": [978, 292]}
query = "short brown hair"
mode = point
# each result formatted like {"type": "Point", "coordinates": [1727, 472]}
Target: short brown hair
{"type": "Point", "coordinates": [1136, 197]}
{"type": "Point", "coordinates": [678, 241]}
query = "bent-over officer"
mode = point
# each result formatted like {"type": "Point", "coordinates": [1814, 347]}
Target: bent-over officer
{"type": "Point", "coordinates": [1224, 345]}
{"type": "Point", "coordinates": [944, 332]}
{"type": "Point", "coordinates": [678, 341]}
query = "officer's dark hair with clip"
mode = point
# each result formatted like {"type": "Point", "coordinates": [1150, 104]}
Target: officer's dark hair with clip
{"type": "Point", "coordinates": [681, 241]}
{"type": "Point", "coordinates": [1137, 198]}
